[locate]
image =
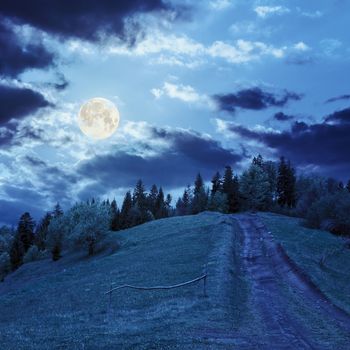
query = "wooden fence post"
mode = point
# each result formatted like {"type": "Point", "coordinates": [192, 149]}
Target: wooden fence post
{"type": "Point", "coordinates": [205, 281]}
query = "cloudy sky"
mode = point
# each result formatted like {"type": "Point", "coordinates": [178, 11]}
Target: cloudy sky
{"type": "Point", "coordinates": [199, 85]}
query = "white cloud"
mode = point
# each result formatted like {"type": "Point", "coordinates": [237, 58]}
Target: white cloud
{"type": "Point", "coordinates": [244, 27]}
{"type": "Point", "coordinates": [301, 46]}
{"type": "Point", "coordinates": [313, 15]}
{"type": "Point", "coordinates": [182, 51]}
{"type": "Point", "coordinates": [266, 11]}
{"type": "Point", "coordinates": [184, 93]}
{"type": "Point", "coordinates": [243, 51]}
{"type": "Point", "coordinates": [220, 4]}
{"type": "Point", "coordinates": [331, 46]}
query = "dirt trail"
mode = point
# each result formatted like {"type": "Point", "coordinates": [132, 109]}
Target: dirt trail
{"type": "Point", "coordinates": [270, 271]}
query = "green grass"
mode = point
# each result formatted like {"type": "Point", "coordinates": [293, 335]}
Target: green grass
{"type": "Point", "coordinates": [306, 247]}
{"type": "Point", "coordinates": [60, 305]}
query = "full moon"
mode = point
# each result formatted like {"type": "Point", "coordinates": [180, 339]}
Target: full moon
{"type": "Point", "coordinates": [98, 118]}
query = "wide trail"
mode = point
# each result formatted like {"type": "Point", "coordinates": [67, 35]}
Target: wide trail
{"type": "Point", "coordinates": [285, 299]}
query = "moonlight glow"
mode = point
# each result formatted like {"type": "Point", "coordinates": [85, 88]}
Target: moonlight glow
{"type": "Point", "coordinates": [98, 118]}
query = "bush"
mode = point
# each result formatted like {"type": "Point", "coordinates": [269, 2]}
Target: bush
{"type": "Point", "coordinates": [56, 233]}
{"type": "Point", "coordinates": [34, 254]}
{"type": "Point", "coordinates": [331, 213]}
{"type": "Point", "coordinates": [5, 265]}
{"type": "Point", "coordinates": [89, 224]}
{"type": "Point", "coordinates": [218, 202]}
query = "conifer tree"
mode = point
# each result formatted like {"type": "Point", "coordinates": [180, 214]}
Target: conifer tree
{"type": "Point", "coordinates": [348, 186]}
{"type": "Point", "coordinates": [216, 184]}
{"type": "Point", "coordinates": [125, 214]}
{"type": "Point", "coordinates": [151, 199]}
{"type": "Point", "coordinates": [230, 187]}
{"type": "Point", "coordinates": [115, 216]}
{"type": "Point", "coordinates": [168, 201]}
{"type": "Point", "coordinates": [160, 208]}
{"type": "Point", "coordinates": [183, 204]}
{"type": "Point", "coordinates": [200, 200]}
{"type": "Point", "coordinates": [255, 189]}
{"type": "Point", "coordinates": [25, 231]}
{"type": "Point", "coordinates": [139, 196]}
{"type": "Point", "coordinates": [57, 211]}
{"type": "Point", "coordinates": [16, 253]}
{"type": "Point", "coordinates": [41, 232]}
{"type": "Point", "coordinates": [259, 161]}
{"type": "Point", "coordinates": [286, 180]}
{"type": "Point", "coordinates": [291, 191]}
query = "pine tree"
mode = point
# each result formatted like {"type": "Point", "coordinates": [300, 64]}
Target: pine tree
{"type": "Point", "coordinates": [230, 187]}
{"type": "Point", "coordinates": [16, 253]}
{"type": "Point", "coordinates": [125, 214]}
{"type": "Point", "coordinates": [200, 199]}
{"type": "Point", "coordinates": [259, 161]}
{"type": "Point", "coordinates": [286, 193]}
{"type": "Point", "coordinates": [282, 183]}
{"type": "Point", "coordinates": [183, 204]}
{"type": "Point", "coordinates": [139, 196]}
{"type": "Point", "coordinates": [216, 184]}
{"type": "Point", "coordinates": [115, 216]}
{"type": "Point", "coordinates": [255, 188]}
{"type": "Point", "coordinates": [291, 191]}
{"type": "Point", "coordinates": [151, 199]}
{"type": "Point", "coordinates": [168, 201]}
{"type": "Point", "coordinates": [160, 207]}
{"type": "Point", "coordinates": [57, 211]}
{"type": "Point", "coordinates": [348, 186]}
{"type": "Point", "coordinates": [271, 172]}
{"type": "Point", "coordinates": [25, 231]}
{"type": "Point", "coordinates": [41, 232]}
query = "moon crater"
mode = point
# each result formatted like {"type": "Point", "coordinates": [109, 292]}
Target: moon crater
{"type": "Point", "coordinates": [98, 118]}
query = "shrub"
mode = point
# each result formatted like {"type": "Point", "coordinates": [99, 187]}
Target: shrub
{"type": "Point", "coordinates": [218, 202]}
{"type": "Point", "coordinates": [56, 233]}
{"type": "Point", "coordinates": [34, 254]}
{"type": "Point", "coordinates": [331, 212]}
{"type": "Point", "coordinates": [5, 265]}
{"type": "Point", "coordinates": [89, 225]}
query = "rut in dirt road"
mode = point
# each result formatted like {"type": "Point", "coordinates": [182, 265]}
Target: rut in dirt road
{"type": "Point", "coordinates": [270, 271]}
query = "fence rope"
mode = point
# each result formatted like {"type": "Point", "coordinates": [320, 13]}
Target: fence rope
{"type": "Point", "coordinates": [157, 287]}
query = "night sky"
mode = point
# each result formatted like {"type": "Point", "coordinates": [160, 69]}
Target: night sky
{"type": "Point", "coordinates": [198, 84]}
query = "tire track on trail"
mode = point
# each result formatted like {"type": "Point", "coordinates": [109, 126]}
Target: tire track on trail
{"type": "Point", "coordinates": [268, 267]}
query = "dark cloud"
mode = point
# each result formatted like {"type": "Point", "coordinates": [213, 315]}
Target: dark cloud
{"type": "Point", "coordinates": [16, 102]}
{"type": "Point", "coordinates": [11, 211]}
{"type": "Point", "coordinates": [338, 98]}
{"type": "Point", "coordinates": [339, 117]}
{"type": "Point", "coordinates": [281, 117]}
{"type": "Point", "coordinates": [18, 193]}
{"type": "Point", "coordinates": [324, 144]}
{"type": "Point", "coordinates": [253, 99]}
{"type": "Point", "coordinates": [62, 83]}
{"type": "Point", "coordinates": [16, 57]}
{"type": "Point", "coordinates": [300, 59]}
{"type": "Point", "coordinates": [177, 166]}
{"type": "Point", "coordinates": [83, 19]}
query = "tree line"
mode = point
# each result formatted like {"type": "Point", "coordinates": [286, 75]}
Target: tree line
{"type": "Point", "coordinates": [263, 186]}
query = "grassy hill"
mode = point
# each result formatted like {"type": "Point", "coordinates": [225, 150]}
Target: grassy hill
{"type": "Point", "coordinates": [62, 305]}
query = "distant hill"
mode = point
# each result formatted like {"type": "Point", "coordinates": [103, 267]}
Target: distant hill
{"type": "Point", "coordinates": [62, 305]}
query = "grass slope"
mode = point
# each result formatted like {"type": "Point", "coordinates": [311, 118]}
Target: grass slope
{"type": "Point", "coordinates": [61, 305]}
{"type": "Point", "coordinates": [306, 247]}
